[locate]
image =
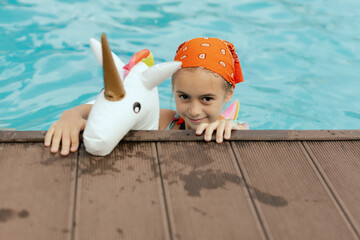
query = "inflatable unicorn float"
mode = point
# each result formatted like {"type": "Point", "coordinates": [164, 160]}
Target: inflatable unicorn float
{"type": "Point", "coordinates": [129, 100]}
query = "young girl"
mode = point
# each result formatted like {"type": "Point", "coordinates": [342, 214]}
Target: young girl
{"type": "Point", "coordinates": [206, 81]}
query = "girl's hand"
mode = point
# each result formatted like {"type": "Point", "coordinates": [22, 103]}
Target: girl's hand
{"type": "Point", "coordinates": [66, 130]}
{"type": "Point", "coordinates": [223, 129]}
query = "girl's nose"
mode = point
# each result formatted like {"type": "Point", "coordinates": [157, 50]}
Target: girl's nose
{"type": "Point", "coordinates": [195, 108]}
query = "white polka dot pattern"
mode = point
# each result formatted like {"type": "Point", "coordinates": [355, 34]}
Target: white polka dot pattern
{"type": "Point", "coordinates": [202, 56]}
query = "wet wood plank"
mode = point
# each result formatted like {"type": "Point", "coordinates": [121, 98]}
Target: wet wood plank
{"type": "Point", "coordinates": [290, 195]}
{"type": "Point", "coordinates": [22, 136]}
{"type": "Point", "coordinates": [248, 135]}
{"type": "Point", "coordinates": [36, 192]}
{"type": "Point", "coordinates": [120, 196]}
{"type": "Point", "coordinates": [189, 135]}
{"type": "Point", "coordinates": [339, 163]}
{"type": "Point", "coordinates": [205, 192]}
{"type": "Point", "coordinates": [284, 189]}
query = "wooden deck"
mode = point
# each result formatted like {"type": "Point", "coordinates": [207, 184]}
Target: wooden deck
{"type": "Point", "coordinates": [173, 185]}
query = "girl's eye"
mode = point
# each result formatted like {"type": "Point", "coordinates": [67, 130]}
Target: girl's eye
{"type": "Point", "coordinates": [184, 97]}
{"type": "Point", "coordinates": [207, 99]}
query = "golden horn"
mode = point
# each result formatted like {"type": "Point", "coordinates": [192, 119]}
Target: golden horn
{"type": "Point", "coordinates": [114, 88]}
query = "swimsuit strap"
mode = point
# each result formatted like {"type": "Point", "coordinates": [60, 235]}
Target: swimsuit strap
{"type": "Point", "coordinates": [178, 120]}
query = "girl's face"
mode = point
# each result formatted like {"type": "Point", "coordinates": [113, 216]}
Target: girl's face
{"type": "Point", "coordinates": [199, 96]}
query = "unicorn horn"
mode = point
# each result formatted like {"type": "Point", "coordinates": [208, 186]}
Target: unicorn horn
{"type": "Point", "coordinates": [114, 88]}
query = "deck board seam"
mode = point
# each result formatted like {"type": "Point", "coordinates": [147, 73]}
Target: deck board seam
{"type": "Point", "coordinates": [330, 188]}
{"type": "Point", "coordinates": [257, 211]}
{"type": "Point", "coordinates": [170, 233]}
{"type": "Point", "coordinates": [77, 170]}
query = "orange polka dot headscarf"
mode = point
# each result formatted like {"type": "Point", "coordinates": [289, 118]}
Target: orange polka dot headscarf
{"type": "Point", "coordinates": [213, 54]}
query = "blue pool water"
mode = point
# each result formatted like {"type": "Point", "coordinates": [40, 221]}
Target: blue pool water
{"type": "Point", "coordinates": [300, 58]}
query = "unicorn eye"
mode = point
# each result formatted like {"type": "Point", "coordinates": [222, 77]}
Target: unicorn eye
{"type": "Point", "coordinates": [136, 107]}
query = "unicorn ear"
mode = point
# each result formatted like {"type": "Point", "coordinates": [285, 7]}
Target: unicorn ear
{"type": "Point", "coordinates": [159, 73]}
{"type": "Point", "coordinates": [96, 48]}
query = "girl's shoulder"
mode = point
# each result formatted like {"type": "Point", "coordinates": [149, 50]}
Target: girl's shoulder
{"type": "Point", "coordinates": [166, 117]}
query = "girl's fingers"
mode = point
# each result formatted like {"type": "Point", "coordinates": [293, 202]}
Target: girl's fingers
{"type": "Point", "coordinates": [83, 125]}
{"type": "Point", "coordinates": [48, 136]}
{"type": "Point", "coordinates": [201, 128]}
{"type": "Point", "coordinates": [56, 141]}
{"type": "Point", "coordinates": [220, 131]}
{"type": "Point", "coordinates": [74, 140]}
{"type": "Point", "coordinates": [232, 126]}
{"type": "Point", "coordinates": [65, 142]}
{"type": "Point", "coordinates": [229, 126]}
{"type": "Point", "coordinates": [210, 129]}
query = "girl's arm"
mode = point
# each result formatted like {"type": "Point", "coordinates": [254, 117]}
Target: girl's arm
{"type": "Point", "coordinates": [166, 116]}
{"type": "Point", "coordinates": [66, 130]}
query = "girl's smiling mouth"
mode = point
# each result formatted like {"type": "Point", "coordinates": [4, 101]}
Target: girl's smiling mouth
{"type": "Point", "coordinates": [196, 120]}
